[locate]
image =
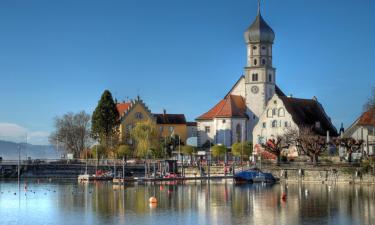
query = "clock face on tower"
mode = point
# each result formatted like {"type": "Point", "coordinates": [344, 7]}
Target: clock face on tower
{"type": "Point", "coordinates": [254, 89]}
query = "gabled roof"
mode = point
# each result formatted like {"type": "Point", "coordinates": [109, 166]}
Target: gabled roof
{"type": "Point", "coordinates": [367, 118]}
{"type": "Point", "coordinates": [122, 107]}
{"type": "Point", "coordinates": [230, 106]}
{"type": "Point", "coordinates": [306, 112]}
{"type": "Point", "coordinates": [125, 108]}
{"type": "Point", "coordinates": [170, 118]}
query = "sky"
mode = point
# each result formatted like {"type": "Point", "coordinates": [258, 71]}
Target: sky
{"type": "Point", "coordinates": [181, 55]}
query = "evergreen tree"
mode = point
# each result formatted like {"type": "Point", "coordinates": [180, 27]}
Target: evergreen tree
{"type": "Point", "coordinates": [105, 120]}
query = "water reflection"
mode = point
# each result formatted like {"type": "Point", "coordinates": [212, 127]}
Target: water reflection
{"type": "Point", "coordinates": [189, 203]}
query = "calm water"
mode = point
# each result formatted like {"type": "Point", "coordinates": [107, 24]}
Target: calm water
{"type": "Point", "coordinates": [65, 203]}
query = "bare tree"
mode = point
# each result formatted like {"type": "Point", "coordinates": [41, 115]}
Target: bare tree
{"type": "Point", "coordinates": [307, 142]}
{"type": "Point", "coordinates": [350, 144]}
{"type": "Point", "coordinates": [72, 132]}
{"type": "Point", "coordinates": [371, 101]}
{"type": "Point", "coordinates": [275, 147]}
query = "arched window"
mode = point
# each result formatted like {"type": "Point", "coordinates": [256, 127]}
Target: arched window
{"type": "Point", "coordinates": [238, 133]}
{"type": "Point", "coordinates": [255, 62]}
{"type": "Point", "coordinates": [269, 77]}
{"type": "Point", "coordinates": [274, 124]}
{"type": "Point", "coordinates": [274, 112]}
{"type": "Point", "coordinates": [263, 62]}
{"type": "Point", "coordinates": [269, 113]}
{"type": "Point", "coordinates": [281, 112]}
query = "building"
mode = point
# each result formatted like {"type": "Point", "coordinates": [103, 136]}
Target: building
{"type": "Point", "coordinates": [235, 116]}
{"type": "Point", "coordinates": [364, 129]}
{"type": "Point", "coordinates": [284, 113]}
{"type": "Point", "coordinates": [136, 111]}
{"type": "Point", "coordinates": [171, 125]}
{"type": "Point", "coordinates": [131, 113]}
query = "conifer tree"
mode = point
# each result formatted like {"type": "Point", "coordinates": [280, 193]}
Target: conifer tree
{"type": "Point", "coordinates": [105, 120]}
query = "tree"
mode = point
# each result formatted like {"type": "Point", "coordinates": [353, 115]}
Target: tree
{"type": "Point", "coordinates": [218, 150]}
{"type": "Point", "coordinates": [145, 135]}
{"type": "Point", "coordinates": [124, 151]}
{"type": "Point", "coordinates": [188, 150]}
{"type": "Point", "coordinates": [350, 144]}
{"type": "Point", "coordinates": [98, 151]}
{"type": "Point", "coordinates": [72, 132]}
{"type": "Point", "coordinates": [241, 149]}
{"type": "Point", "coordinates": [105, 120]}
{"type": "Point", "coordinates": [371, 101]}
{"type": "Point", "coordinates": [308, 143]}
{"type": "Point", "coordinates": [275, 147]}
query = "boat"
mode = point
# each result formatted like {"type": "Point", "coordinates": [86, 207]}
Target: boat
{"type": "Point", "coordinates": [254, 176]}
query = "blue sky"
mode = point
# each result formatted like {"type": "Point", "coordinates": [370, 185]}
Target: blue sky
{"type": "Point", "coordinates": [59, 56]}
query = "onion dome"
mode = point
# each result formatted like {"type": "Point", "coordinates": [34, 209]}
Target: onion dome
{"type": "Point", "coordinates": [259, 31]}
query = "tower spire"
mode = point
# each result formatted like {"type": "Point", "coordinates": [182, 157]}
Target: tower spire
{"type": "Point", "coordinates": [258, 7]}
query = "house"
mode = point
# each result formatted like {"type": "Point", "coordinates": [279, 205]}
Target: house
{"type": "Point", "coordinates": [131, 113]}
{"type": "Point", "coordinates": [136, 110]}
{"type": "Point", "coordinates": [364, 129]}
{"type": "Point", "coordinates": [288, 113]}
{"type": "Point", "coordinates": [171, 125]}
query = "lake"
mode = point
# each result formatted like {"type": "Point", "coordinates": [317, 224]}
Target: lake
{"type": "Point", "coordinates": [68, 202]}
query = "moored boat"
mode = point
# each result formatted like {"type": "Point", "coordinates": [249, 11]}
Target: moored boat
{"type": "Point", "coordinates": [254, 176]}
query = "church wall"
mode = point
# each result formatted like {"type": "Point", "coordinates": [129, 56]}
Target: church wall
{"type": "Point", "coordinates": [276, 123]}
{"type": "Point", "coordinates": [239, 88]}
{"type": "Point", "coordinates": [223, 133]}
{"type": "Point", "coordinates": [242, 123]}
{"type": "Point", "coordinates": [203, 136]}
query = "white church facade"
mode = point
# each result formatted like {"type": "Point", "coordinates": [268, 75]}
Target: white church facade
{"type": "Point", "coordinates": [243, 112]}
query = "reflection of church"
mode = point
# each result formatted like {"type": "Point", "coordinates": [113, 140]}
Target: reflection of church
{"type": "Point", "coordinates": [233, 119]}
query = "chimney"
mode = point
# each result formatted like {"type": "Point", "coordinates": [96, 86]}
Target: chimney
{"type": "Point", "coordinates": [164, 112]}
{"type": "Point", "coordinates": [315, 98]}
{"type": "Point", "coordinates": [290, 96]}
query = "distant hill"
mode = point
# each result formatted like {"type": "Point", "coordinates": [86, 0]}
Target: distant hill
{"type": "Point", "coordinates": [9, 151]}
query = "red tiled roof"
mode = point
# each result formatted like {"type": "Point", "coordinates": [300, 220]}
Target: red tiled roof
{"type": "Point", "coordinates": [122, 107]}
{"type": "Point", "coordinates": [367, 118]}
{"type": "Point", "coordinates": [230, 106]}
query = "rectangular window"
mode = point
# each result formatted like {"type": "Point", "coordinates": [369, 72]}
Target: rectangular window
{"type": "Point", "coordinates": [317, 124]}
{"type": "Point", "coordinates": [207, 129]}
{"type": "Point", "coordinates": [286, 124]}
{"type": "Point", "coordinates": [269, 77]}
{"type": "Point", "coordinates": [171, 129]}
{"type": "Point", "coordinates": [255, 77]}
{"type": "Point", "coordinates": [161, 129]}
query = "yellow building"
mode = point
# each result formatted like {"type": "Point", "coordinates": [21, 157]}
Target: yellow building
{"type": "Point", "coordinates": [136, 110]}
{"type": "Point", "coordinates": [171, 125]}
{"type": "Point", "coordinates": [130, 114]}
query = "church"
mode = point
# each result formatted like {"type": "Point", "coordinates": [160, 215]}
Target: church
{"type": "Point", "coordinates": [255, 100]}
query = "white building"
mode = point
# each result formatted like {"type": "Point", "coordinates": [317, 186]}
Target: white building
{"type": "Point", "coordinates": [364, 129]}
{"type": "Point", "coordinates": [284, 113]}
{"type": "Point", "coordinates": [234, 117]}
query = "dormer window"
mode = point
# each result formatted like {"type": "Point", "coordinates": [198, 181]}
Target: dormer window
{"type": "Point", "coordinates": [254, 47]}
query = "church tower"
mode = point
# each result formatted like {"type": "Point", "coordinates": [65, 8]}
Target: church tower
{"type": "Point", "coordinates": [259, 73]}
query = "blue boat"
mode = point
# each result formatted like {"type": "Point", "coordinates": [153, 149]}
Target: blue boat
{"type": "Point", "coordinates": [254, 176]}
